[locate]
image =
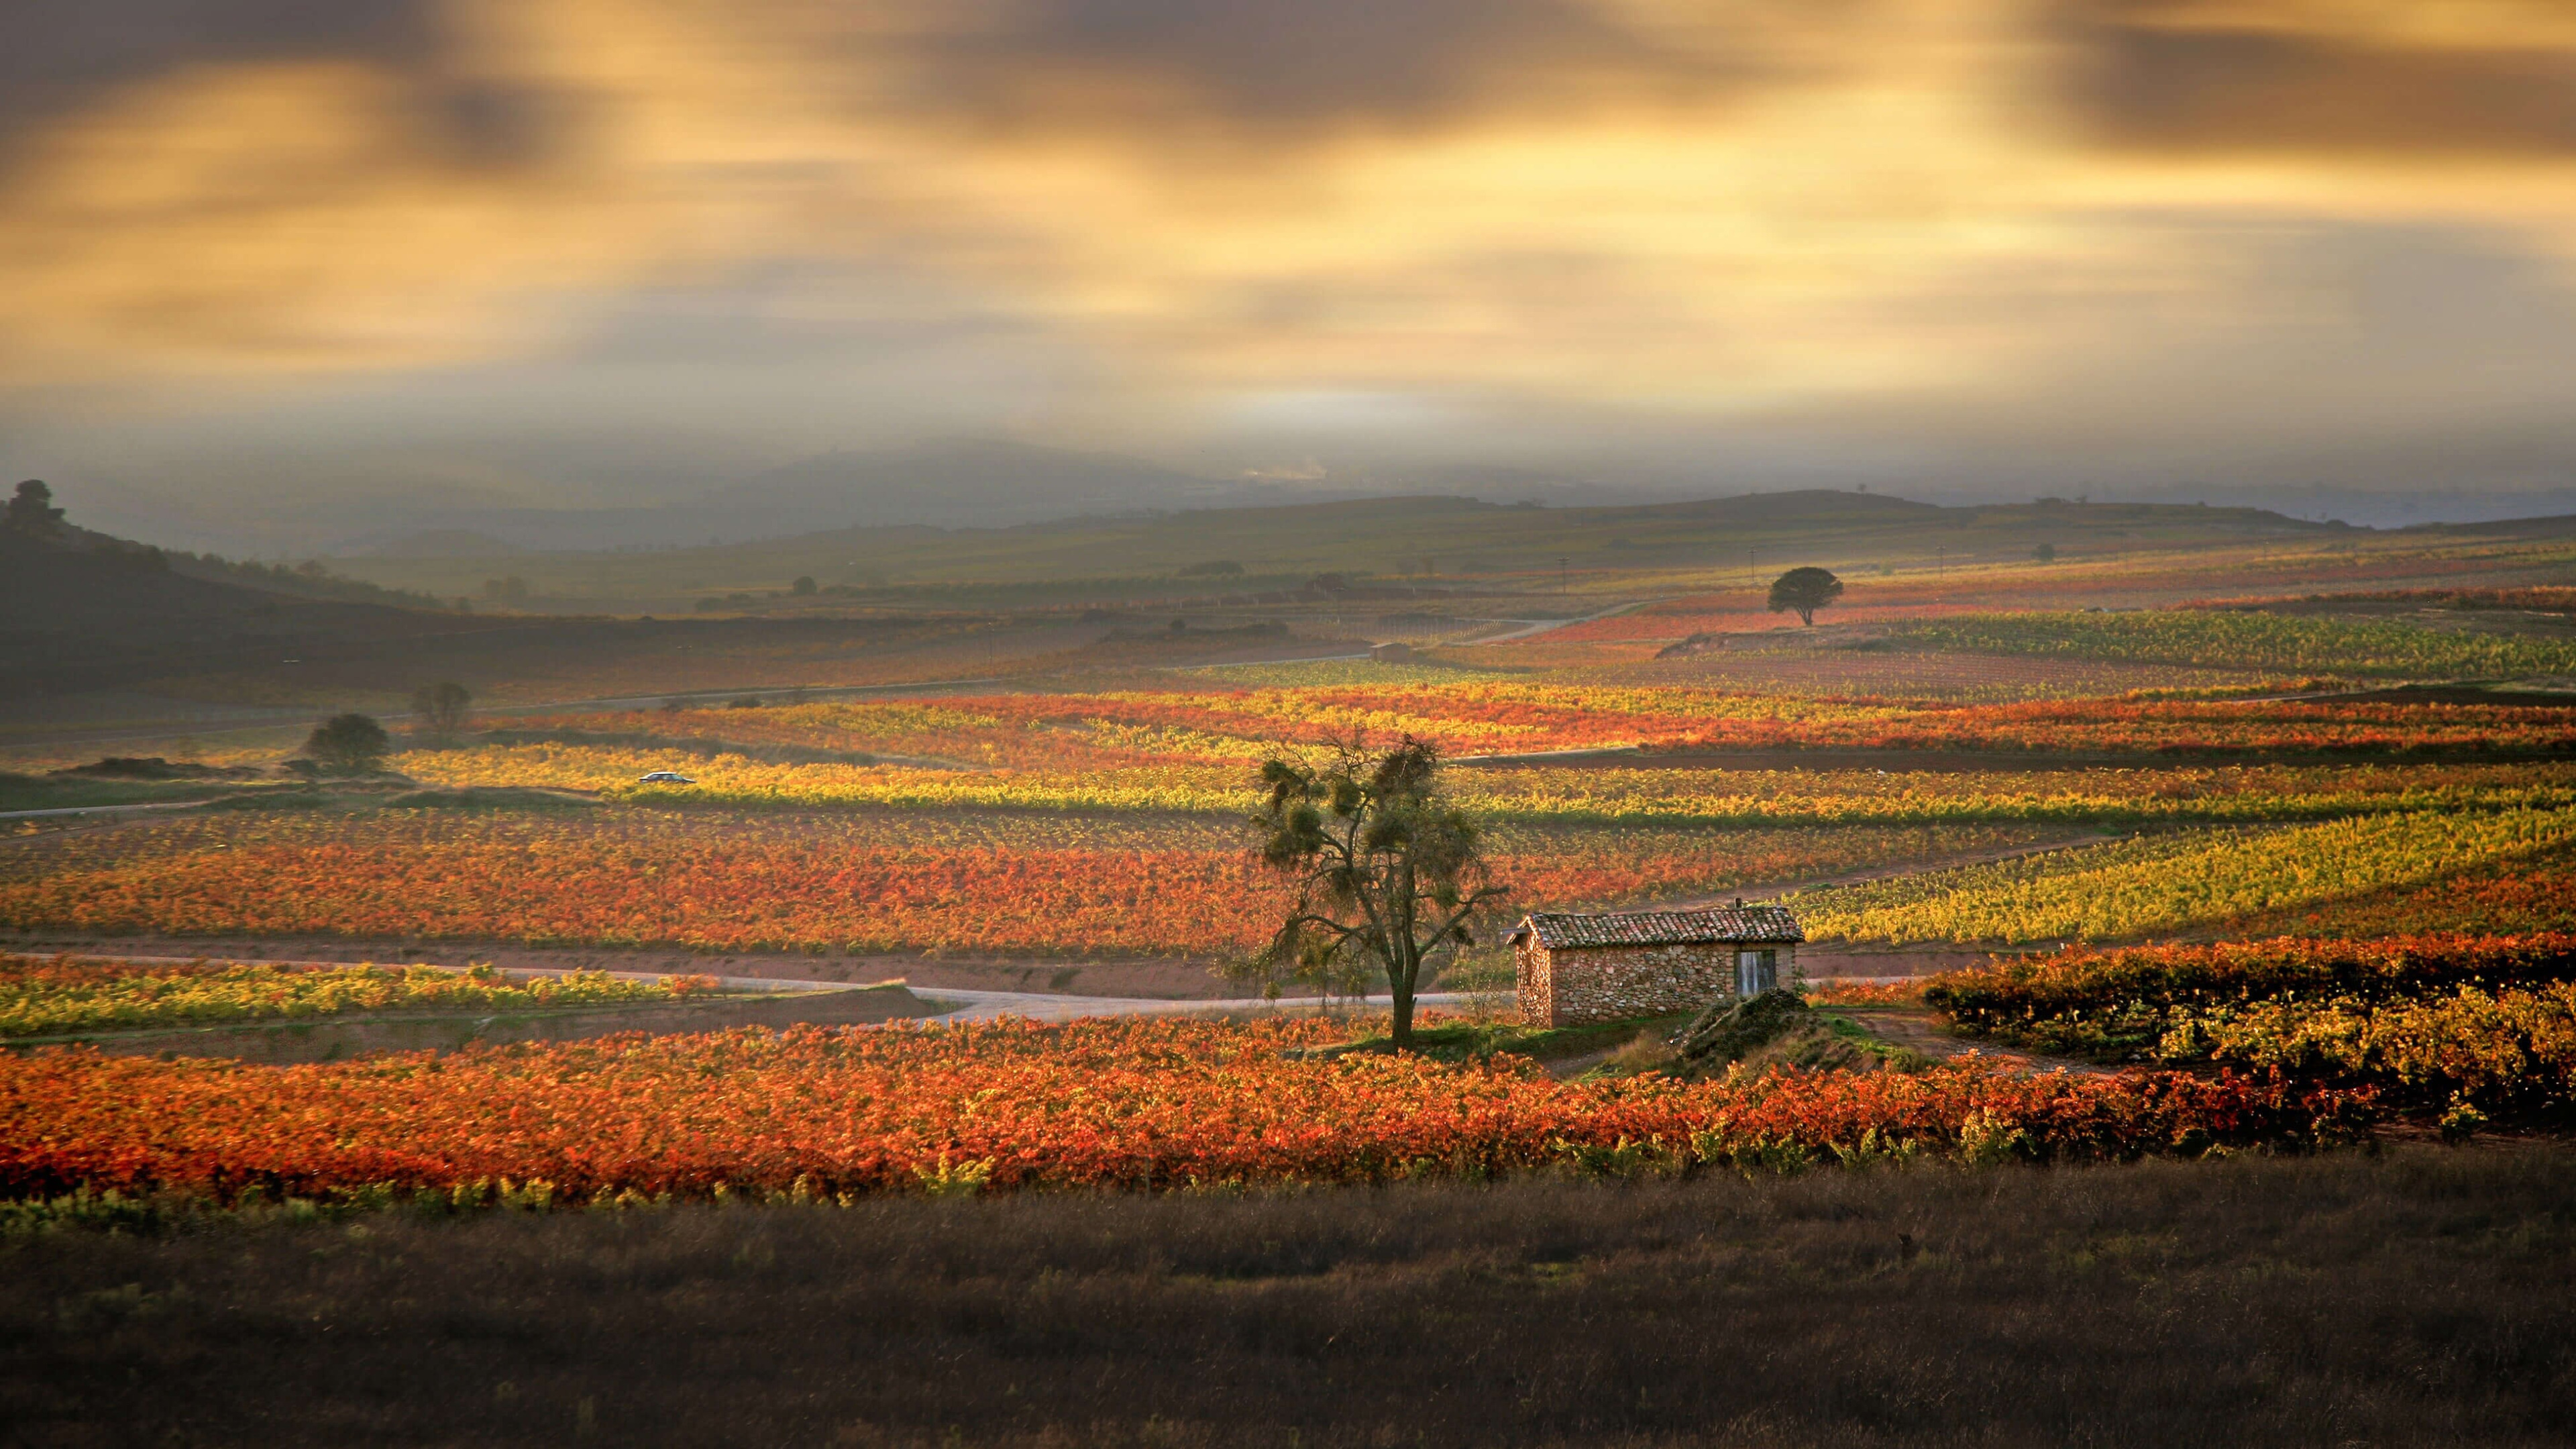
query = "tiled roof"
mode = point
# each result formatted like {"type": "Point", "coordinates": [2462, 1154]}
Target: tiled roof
{"type": "Point", "coordinates": [1660, 928]}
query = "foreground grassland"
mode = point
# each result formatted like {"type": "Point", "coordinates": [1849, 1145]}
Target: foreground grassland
{"type": "Point", "coordinates": [2420, 1297]}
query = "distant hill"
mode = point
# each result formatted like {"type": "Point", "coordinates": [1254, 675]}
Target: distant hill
{"type": "Point", "coordinates": [442, 543]}
{"type": "Point", "coordinates": [83, 610]}
{"type": "Point", "coordinates": [963, 483]}
{"type": "Point", "coordinates": [1444, 537]}
{"type": "Point", "coordinates": [960, 483]}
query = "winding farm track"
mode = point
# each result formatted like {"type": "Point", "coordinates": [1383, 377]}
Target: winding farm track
{"type": "Point", "coordinates": [1532, 628]}
{"type": "Point", "coordinates": [961, 1004]}
{"type": "Point", "coordinates": [103, 809]}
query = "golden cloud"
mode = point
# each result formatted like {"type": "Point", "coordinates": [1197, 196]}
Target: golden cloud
{"type": "Point", "coordinates": [1645, 202]}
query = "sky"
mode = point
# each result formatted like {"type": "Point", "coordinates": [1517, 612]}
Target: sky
{"type": "Point", "coordinates": [275, 258]}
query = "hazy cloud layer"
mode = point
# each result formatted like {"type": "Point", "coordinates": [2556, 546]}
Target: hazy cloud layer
{"type": "Point", "coordinates": [2394, 80]}
{"type": "Point", "coordinates": [1826, 236]}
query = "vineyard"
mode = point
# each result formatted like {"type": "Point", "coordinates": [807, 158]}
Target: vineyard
{"type": "Point", "coordinates": [1111, 823]}
{"type": "Point", "coordinates": [1081, 825]}
{"type": "Point", "coordinates": [810, 1114]}
{"type": "Point", "coordinates": [2156, 885]}
{"type": "Point", "coordinates": [1544, 794]}
{"type": "Point", "coordinates": [2045, 1000]}
{"type": "Point", "coordinates": [42, 996]}
{"type": "Point", "coordinates": [2508, 897]}
{"type": "Point", "coordinates": [2477, 1023]}
{"type": "Point", "coordinates": [2245, 640]}
{"type": "Point", "coordinates": [1011, 883]}
{"type": "Point", "coordinates": [1087, 732]}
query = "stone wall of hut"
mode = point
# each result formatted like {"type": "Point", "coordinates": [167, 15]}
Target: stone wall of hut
{"type": "Point", "coordinates": [1571, 985]}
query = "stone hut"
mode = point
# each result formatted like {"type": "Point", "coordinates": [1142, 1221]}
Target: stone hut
{"type": "Point", "coordinates": [1579, 968]}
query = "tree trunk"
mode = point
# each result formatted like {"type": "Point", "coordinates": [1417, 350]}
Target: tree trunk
{"type": "Point", "coordinates": [1401, 980]}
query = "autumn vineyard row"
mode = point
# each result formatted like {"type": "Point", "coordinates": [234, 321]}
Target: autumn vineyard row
{"type": "Point", "coordinates": [1024, 884]}
{"type": "Point", "coordinates": [721, 881]}
{"type": "Point", "coordinates": [2489, 1021]}
{"type": "Point", "coordinates": [47, 995]}
{"type": "Point", "coordinates": [1116, 729]}
{"type": "Point", "coordinates": [1126, 1103]}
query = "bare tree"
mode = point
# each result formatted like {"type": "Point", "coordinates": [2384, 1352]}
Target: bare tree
{"type": "Point", "coordinates": [1388, 872]}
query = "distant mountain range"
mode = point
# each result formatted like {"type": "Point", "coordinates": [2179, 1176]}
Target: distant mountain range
{"type": "Point", "coordinates": [981, 483]}
{"type": "Point", "coordinates": [966, 483]}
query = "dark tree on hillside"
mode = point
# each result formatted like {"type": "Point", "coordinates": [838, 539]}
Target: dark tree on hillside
{"type": "Point", "coordinates": [804, 585]}
{"type": "Point", "coordinates": [441, 708]}
{"type": "Point", "coordinates": [31, 510]}
{"type": "Point", "coordinates": [1804, 591]}
{"type": "Point", "coordinates": [1387, 871]}
{"type": "Point", "coordinates": [350, 744]}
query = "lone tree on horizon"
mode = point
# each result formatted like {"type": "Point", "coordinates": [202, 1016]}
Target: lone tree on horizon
{"type": "Point", "coordinates": [31, 509]}
{"type": "Point", "coordinates": [441, 708]}
{"type": "Point", "coordinates": [1804, 590]}
{"type": "Point", "coordinates": [348, 744]}
{"type": "Point", "coordinates": [1387, 871]}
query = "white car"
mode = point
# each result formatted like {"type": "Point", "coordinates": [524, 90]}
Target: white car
{"type": "Point", "coordinates": [664, 777]}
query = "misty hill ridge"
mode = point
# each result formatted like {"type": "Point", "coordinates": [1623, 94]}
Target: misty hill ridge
{"type": "Point", "coordinates": [1821, 516]}
{"type": "Point", "coordinates": [963, 483]}
{"type": "Point", "coordinates": [1446, 537]}
{"type": "Point", "coordinates": [82, 605]}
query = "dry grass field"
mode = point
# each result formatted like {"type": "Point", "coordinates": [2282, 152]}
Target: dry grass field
{"type": "Point", "coordinates": [2421, 1297]}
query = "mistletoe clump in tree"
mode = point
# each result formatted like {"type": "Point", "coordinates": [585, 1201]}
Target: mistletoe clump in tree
{"type": "Point", "coordinates": [1387, 871]}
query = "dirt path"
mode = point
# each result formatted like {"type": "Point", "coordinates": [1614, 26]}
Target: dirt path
{"type": "Point", "coordinates": [1915, 1029]}
{"type": "Point", "coordinates": [1531, 629]}
{"type": "Point", "coordinates": [103, 809]}
{"type": "Point", "coordinates": [946, 1003]}
{"type": "Point", "coordinates": [1150, 978]}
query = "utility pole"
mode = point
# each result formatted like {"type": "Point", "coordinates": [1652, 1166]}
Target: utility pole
{"type": "Point", "coordinates": [1562, 586]}
{"type": "Point", "coordinates": [1751, 569]}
